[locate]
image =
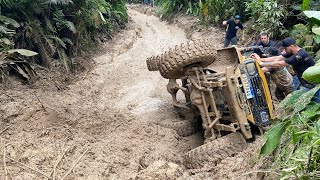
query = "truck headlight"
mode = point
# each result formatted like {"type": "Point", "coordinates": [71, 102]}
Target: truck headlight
{"type": "Point", "coordinates": [264, 117]}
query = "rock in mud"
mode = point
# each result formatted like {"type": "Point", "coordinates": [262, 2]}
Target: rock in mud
{"type": "Point", "coordinates": [160, 170]}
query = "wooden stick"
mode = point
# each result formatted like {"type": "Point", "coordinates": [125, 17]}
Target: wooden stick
{"type": "Point", "coordinates": [12, 99]}
{"type": "Point", "coordinates": [4, 92]}
{"type": "Point", "coordinates": [4, 159]}
{"type": "Point", "coordinates": [74, 164]}
{"type": "Point", "coordinates": [43, 107]}
{"type": "Point", "coordinates": [4, 130]}
{"type": "Point", "coordinates": [53, 172]}
{"type": "Point", "coordinates": [33, 169]}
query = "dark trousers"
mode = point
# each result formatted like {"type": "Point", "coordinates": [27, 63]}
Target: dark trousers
{"type": "Point", "coordinates": [232, 40]}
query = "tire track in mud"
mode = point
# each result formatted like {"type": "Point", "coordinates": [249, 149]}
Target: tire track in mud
{"type": "Point", "coordinates": [113, 112]}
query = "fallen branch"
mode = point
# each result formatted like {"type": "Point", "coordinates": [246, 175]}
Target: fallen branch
{"type": "Point", "coordinates": [33, 169]}
{"type": "Point", "coordinates": [4, 159]}
{"type": "Point", "coordinates": [53, 172]}
{"type": "Point", "coordinates": [4, 92]}
{"type": "Point", "coordinates": [42, 106]}
{"type": "Point", "coordinates": [12, 99]}
{"type": "Point", "coordinates": [74, 164]}
{"type": "Point", "coordinates": [4, 130]}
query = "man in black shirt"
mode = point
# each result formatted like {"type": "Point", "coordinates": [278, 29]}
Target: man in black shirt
{"type": "Point", "coordinates": [231, 34]}
{"type": "Point", "coordinates": [295, 56]}
{"type": "Point", "coordinates": [265, 41]}
{"type": "Point", "coordinates": [280, 75]}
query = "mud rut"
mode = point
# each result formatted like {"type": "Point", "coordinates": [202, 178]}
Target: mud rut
{"type": "Point", "coordinates": [111, 116]}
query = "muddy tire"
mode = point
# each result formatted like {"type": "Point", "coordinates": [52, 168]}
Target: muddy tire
{"type": "Point", "coordinates": [173, 62]}
{"type": "Point", "coordinates": [153, 63]}
{"type": "Point", "coordinates": [183, 128]}
{"type": "Point", "coordinates": [213, 152]}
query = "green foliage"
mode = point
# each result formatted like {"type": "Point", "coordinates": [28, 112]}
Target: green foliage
{"type": "Point", "coordinates": [314, 16]}
{"type": "Point", "coordinates": [170, 7]}
{"type": "Point", "coordinates": [57, 29]}
{"type": "Point", "coordinates": [305, 5]}
{"type": "Point", "coordinates": [219, 10]}
{"type": "Point", "coordinates": [13, 59]}
{"type": "Point", "coordinates": [312, 74]}
{"type": "Point", "coordinates": [273, 137]}
{"type": "Point", "coordinates": [302, 34]}
{"type": "Point", "coordinates": [297, 137]}
{"type": "Point", "coordinates": [209, 11]}
{"type": "Point", "coordinates": [267, 15]}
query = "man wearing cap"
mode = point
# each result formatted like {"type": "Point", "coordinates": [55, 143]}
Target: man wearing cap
{"type": "Point", "coordinates": [281, 76]}
{"type": "Point", "coordinates": [295, 56]}
{"type": "Point", "coordinates": [231, 34]}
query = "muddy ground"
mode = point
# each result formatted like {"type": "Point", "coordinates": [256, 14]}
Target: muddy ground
{"type": "Point", "coordinates": [106, 123]}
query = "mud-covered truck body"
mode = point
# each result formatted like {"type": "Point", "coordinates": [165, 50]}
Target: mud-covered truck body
{"type": "Point", "coordinates": [229, 89]}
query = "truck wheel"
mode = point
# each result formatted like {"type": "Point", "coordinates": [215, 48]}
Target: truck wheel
{"type": "Point", "coordinates": [213, 152]}
{"type": "Point", "coordinates": [173, 62]}
{"type": "Point", "coordinates": [153, 63]}
{"type": "Point", "coordinates": [183, 128]}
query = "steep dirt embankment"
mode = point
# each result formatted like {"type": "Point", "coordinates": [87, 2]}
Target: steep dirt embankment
{"type": "Point", "coordinates": [108, 119]}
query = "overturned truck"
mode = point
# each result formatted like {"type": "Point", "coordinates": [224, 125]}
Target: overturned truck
{"type": "Point", "coordinates": [225, 87]}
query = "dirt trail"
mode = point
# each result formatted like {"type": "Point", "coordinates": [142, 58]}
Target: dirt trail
{"type": "Point", "coordinates": [113, 113]}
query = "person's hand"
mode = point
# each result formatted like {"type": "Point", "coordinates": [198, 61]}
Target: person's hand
{"type": "Point", "coordinates": [256, 57]}
{"type": "Point", "coordinates": [224, 22]}
{"type": "Point", "coordinates": [265, 69]}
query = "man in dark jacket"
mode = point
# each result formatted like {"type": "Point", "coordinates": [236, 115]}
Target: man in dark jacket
{"type": "Point", "coordinates": [231, 34]}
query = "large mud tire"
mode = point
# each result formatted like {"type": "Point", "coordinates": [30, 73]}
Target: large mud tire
{"type": "Point", "coordinates": [213, 152]}
{"type": "Point", "coordinates": [153, 63]}
{"type": "Point", "coordinates": [173, 62]}
{"type": "Point", "coordinates": [183, 128]}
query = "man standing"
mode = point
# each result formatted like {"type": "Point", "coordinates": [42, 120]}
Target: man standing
{"type": "Point", "coordinates": [231, 34]}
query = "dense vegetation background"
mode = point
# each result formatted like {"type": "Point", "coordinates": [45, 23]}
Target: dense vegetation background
{"type": "Point", "coordinates": [54, 30]}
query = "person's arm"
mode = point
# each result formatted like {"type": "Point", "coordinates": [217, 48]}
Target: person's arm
{"type": "Point", "coordinates": [268, 59]}
{"type": "Point", "coordinates": [274, 64]}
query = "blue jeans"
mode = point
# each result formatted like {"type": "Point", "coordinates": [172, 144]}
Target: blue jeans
{"type": "Point", "coordinates": [296, 82]}
{"type": "Point", "coordinates": [232, 40]}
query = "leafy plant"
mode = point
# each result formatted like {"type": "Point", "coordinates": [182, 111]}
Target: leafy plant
{"type": "Point", "coordinates": [267, 16]}
{"type": "Point", "coordinates": [209, 11]}
{"type": "Point", "coordinates": [315, 22]}
{"type": "Point", "coordinates": [58, 29]}
{"type": "Point", "coordinates": [297, 136]}
{"type": "Point", "coordinates": [14, 60]}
